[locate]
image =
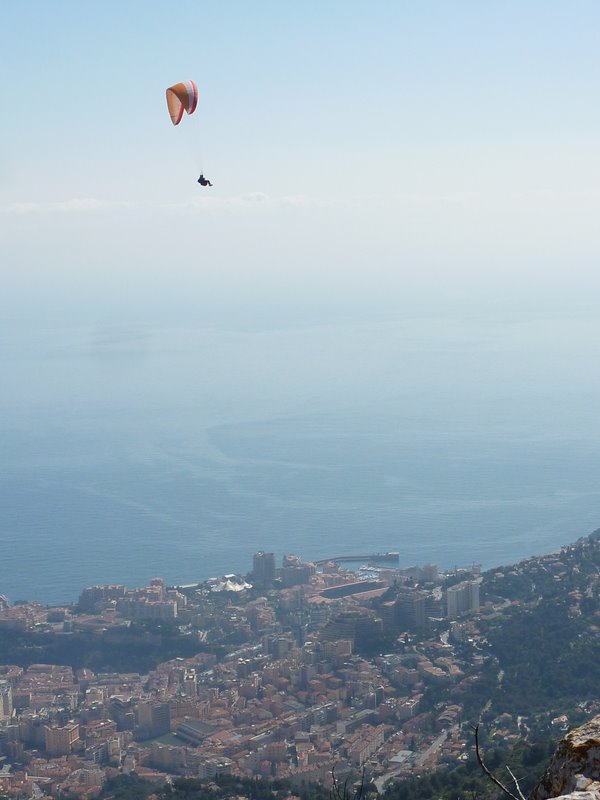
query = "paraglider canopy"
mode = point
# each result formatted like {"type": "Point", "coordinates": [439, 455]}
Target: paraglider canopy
{"type": "Point", "coordinates": [182, 97]}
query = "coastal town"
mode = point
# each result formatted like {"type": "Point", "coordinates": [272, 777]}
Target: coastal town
{"type": "Point", "coordinates": [290, 672]}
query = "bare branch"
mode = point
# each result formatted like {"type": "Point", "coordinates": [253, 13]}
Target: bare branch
{"type": "Point", "coordinates": [335, 788]}
{"type": "Point", "coordinates": [489, 774]}
{"type": "Point", "coordinates": [343, 794]}
{"type": "Point", "coordinates": [516, 782]}
{"type": "Point", "coordinates": [359, 793]}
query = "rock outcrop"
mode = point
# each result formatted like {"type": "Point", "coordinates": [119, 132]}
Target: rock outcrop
{"type": "Point", "coordinates": [574, 771]}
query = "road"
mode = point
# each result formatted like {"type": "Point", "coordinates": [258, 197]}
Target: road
{"type": "Point", "coordinates": [417, 759]}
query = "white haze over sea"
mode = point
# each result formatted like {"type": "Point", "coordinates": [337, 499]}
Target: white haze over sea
{"type": "Point", "coordinates": [130, 450]}
{"type": "Point", "coordinates": [377, 330]}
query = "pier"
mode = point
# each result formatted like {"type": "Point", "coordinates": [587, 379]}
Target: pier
{"type": "Point", "coordinates": [370, 558]}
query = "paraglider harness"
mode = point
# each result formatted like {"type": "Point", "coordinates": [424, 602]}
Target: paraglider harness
{"type": "Point", "coordinates": [204, 181]}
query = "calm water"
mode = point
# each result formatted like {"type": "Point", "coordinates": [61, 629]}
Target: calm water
{"type": "Point", "coordinates": [134, 451]}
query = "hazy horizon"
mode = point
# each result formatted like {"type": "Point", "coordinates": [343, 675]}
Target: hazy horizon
{"type": "Point", "coordinates": [402, 239]}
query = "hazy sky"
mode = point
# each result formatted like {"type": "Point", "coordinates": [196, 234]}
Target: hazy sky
{"type": "Point", "coordinates": [362, 153]}
{"type": "Point", "coordinates": [418, 180]}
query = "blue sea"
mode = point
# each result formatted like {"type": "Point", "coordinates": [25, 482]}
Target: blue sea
{"type": "Point", "coordinates": [129, 451]}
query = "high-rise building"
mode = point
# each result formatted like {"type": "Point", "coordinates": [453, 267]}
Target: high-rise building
{"type": "Point", "coordinates": [410, 608]}
{"type": "Point", "coordinates": [122, 711]}
{"type": "Point", "coordinates": [263, 568]}
{"type": "Point", "coordinates": [100, 595]}
{"type": "Point", "coordinates": [60, 741]}
{"type": "Point", "coordinates": [429, 572]}
{"type": "Point", "coordinates": [160, 586]}
{"type": "Point", "coordinates": [189, 682]}
{"type": "Point", "coordinates": [295, 572]}
{"type": "Point", "coordinates": [359, 626]}
{"type": "Point", "coordinates": [462, 597]}
{"type": "Point", "coordinates": [6, 702]}
{"type": "Point", "coordinates": [161, 719]}
{"type": "Point", "coordinates": [152, 719]}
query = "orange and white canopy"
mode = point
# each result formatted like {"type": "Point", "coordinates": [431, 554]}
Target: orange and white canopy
{"type": "Point", "coordinates": [182, 97]}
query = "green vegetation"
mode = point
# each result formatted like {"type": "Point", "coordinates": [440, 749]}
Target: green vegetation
{"type": "Point", "coordinates": [127, 787]}
{"type": "Point", "coordinates": [550, 659]}
{"type": "Point", "coordinates": [527, 761]}
{"type": "Point", "coordinates": [138, 647]}
{"type": "Point", "coordinates": [131, 787]}
{"type": "Point", "coordinates": [546, 644]}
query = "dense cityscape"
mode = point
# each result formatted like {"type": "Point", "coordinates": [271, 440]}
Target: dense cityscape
{"type": "Point", "coordinates": [286, 674]}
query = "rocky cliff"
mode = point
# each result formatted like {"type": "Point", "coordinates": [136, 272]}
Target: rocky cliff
{"type": "Point", "coordinates": [574, 771]}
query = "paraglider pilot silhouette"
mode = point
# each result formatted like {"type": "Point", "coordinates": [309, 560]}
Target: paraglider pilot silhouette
{"type": "Point", "coordinates": [184, 97]}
